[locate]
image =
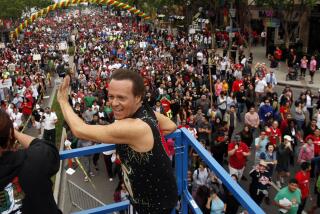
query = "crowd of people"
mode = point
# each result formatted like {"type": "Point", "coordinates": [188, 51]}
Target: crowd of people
{"type": "Point", "coordinates": [27, 65]}
{"type": "Point", "coordinates": [229, 103]}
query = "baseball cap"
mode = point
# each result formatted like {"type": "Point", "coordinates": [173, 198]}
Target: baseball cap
{"type": "Point", "coordinates": [287, 137]}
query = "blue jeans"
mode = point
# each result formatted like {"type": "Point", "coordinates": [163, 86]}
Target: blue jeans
{"type": "Point", "coordinates": [300, 124]}
{"type": "Point", "coordinates": [2, 97]}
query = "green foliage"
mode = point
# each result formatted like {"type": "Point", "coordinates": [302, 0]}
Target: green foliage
{"type": "Point", "coordinates": [285, 4]}
{"type": "Point", "coordinates": [148, 5]}
{"type": "Point", "coordinates": [59, 125]}
{"type": "Point", "coordinates": [14, 8]}
{"type": "Point", "coordinates": [71, 50]}
{"type": "Point", "coordinates": [11, 8]}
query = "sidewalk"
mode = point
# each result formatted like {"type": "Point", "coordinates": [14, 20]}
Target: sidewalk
{"type": "Point", "coordinates": [281, 71]}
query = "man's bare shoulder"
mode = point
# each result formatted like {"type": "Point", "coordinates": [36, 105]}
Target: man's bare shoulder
{"type": "Point", "coordinates": [135, 125]}
{"type": "Point", "coordinates": [135, 132]}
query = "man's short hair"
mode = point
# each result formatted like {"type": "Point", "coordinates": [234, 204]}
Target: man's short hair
{"type": "Point", "coordinates": [305, 165]}
{"type": "Point", "coordinates": [293, 181]}
{"type": "Point", "coordinates": [138, 88]}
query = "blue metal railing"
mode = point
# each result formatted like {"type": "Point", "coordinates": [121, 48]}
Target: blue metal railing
{"type": "Point", "coordinates": [183, 140]}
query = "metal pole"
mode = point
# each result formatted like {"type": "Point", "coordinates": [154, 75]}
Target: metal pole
{"type": "Point", "coordinates": [231, 24]}
{"type": "Point", "coordinates": [210, 76]}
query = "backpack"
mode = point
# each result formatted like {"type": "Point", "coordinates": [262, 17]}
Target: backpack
{"type": "Point", "coordinates": [206, 170]}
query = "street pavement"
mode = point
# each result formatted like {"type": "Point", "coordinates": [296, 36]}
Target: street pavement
{"type": "Point", "coordinates": [271, 209]}
{"type": "Point", "coordinates": [259, 55]}
{"type": "Point", "coordinates": [46, 102]}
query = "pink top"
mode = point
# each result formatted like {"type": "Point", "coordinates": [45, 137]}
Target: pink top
{"type": "Point", "coordinates": [306, 153]}
{"type": "Point", "coordinates": [218, 89]}
{"type": "Point", "coordinates": [304, 63]}
{"type": "Point", "coordinates": [313, 65]}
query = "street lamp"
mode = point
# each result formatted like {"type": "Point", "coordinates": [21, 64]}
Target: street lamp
{"type": "Point", "coordinates": [232, 14]}
{"type": "Point", "coordinates": [188, 3]}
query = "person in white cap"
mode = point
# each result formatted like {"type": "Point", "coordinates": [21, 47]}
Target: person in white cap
{"type": "Point", "coordinates": [260, 182]}
{"type": "Point", "coordinates": [283, 156]}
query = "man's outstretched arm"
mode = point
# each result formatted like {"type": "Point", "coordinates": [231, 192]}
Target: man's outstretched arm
{"type": "Point", "coordinates": [127, 131]}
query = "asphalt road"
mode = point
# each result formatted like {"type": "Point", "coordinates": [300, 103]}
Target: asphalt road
{"type": "Point", "coordinates": [271, 209]}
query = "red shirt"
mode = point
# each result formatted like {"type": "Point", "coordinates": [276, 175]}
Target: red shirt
{"type": "Point", "coordinates": [278, 54]}
{"type": "Point", "coordinates": [165, 104]}
{"type": "Point", "coordinates": [303, 179]}
{"type": "Point", "coordinates": [181, 126]}
{"type": "Point", "coordinates": [27, 108]}
{"type": "Point", "coordinates": [316, 142]}
{"type": "Point", "coordinates": [238, 160]}
{"type": "Point", "coordinates": [236, 85]}
{"type": "Point", "coordinates": [274, 135]}
{"type": "Point", "coordinates": [19, 81]}
{"type": "Point", "coordinates": [284, 110]}
{"type": "Point", "coordinates": [283, 125]}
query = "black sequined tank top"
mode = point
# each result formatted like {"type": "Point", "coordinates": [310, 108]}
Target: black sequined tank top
{"type": "Point", "coordinates": [148, 176]}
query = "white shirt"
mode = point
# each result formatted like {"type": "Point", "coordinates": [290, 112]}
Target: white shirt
{"type": "Point", "coordinates": [16, 118]}
{"type": "Point", "coordinates": [34, 89]}
{"type": "Point", "coordinates": [109, 152]}
{"type": "Point", "coordinates": [48, 122]}
{"type": "Point", "coordinates": [201, 177]}
{"type": "Point", "coordinates": [65, 58]}
{"type": "Point", "coordinates": [222, 103]}
{"type": "Point", "coordinates": [199, 56]}
{"type": "Point", "coordinates": [95, 107]}
{"type": "Point", "coordinates": [37, 125]}
{"type": "Point", "coordinates": [271, 79]}
{"type": "Point", "coordinates": [260, 86]}
{"type": "Point", "coordinates": [223, 65]}
{"type": "Point", "coordinates": [9, 110]}
{"type": "Point", "coordinates": [243, 61]}
{"type": "Point", "coordinates": [308, 103]}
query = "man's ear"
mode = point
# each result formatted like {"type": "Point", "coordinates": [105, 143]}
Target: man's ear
{"type": "Point", "coordinates": [138, 99]}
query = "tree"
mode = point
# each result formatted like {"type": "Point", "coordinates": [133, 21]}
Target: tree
{"type": "Point", "coordinates": [288, 11]}
{"type": "Point", "coordinates": [13, 9]}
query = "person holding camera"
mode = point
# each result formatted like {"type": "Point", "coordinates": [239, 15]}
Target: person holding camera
{"type": "Point", "coordinates": [260, 182]}
{"type": "Point", "coordinates": [283, 156]}
{"type": "Point", "coordinates": [215, 204]}
{"type": "Point", "coordinates": [49, 120]}
{"type": "Point", "coordinates": [237, 153]}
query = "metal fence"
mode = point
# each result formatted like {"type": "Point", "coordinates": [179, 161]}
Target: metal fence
{"type": "Point", "coordinates": [81, 198]}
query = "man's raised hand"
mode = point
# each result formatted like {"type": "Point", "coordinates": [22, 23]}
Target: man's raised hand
{"type": "Point", "coordinates": [63, 91]}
